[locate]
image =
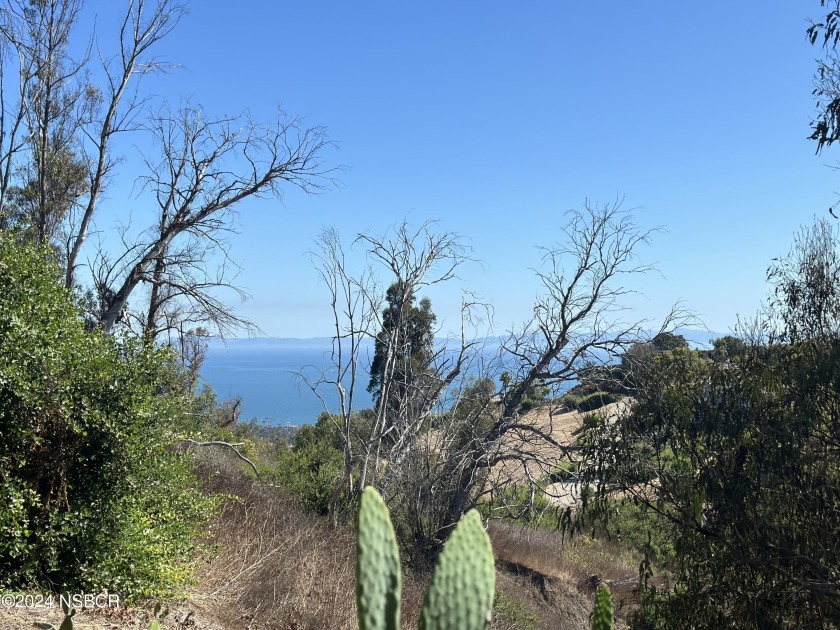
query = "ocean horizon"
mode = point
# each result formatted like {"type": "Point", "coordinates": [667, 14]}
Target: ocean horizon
{"type": "Point", "coordinates": [265, 373]}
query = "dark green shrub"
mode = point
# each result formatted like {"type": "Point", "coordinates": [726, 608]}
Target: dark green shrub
{"type": "Point", "coordinates": [90, 495]}
{"type": "Point", "coordinates": [643, 529]}
{"type": "Point", "coordinates": [744, 467]}
{"type": "Point", "coordinates": [311, 473]}
{"type": "Point", "coordinates": [596, 401]}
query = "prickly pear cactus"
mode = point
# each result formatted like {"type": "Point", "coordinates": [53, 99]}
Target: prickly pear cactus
{"type": "Point", "coordinates": [378, 579]}
{"type": "Point", "coordinates": [460, 596]}
{"type": "Point", "coordinates": [602, 617]}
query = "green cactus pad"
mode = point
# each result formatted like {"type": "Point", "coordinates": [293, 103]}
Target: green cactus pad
{"type": "Point", "coordinates": [460, 596]}
{"type": "Point", "coordinates": [378, 581]}
{"type": "Point", "coordinates": [602, 617]}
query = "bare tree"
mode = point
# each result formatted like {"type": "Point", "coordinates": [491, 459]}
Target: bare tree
{"type": "Point", "coordinates": [207, 167]}
{"type": "Point", "coordinates": [443, 447]}
{"type": "Point", "coordinates": [576, 324]}
{"type": "Point", "coordinates": [57, 134]}
{"type": "Point", "coordinates": [56, 126]}
{"type": "Point", "coordinates": [353, 301]}
{"type": "Point", "coordinates": [141, 29]}
{"type": "Point", "coordinates": [412, 259]}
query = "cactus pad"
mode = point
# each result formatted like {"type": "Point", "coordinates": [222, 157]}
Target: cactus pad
{"type": "Point", "coordinates": [460, 596]}
{"type": "Point", "coordinates": [602, 617]}
{"type": "Point", "coordinates": [378, 581]}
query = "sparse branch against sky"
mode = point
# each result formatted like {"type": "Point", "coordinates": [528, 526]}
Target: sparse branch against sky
{"type": "Point", "coordinates": [496, 119]}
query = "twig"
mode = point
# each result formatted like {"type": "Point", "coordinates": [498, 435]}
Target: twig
{"type": "Point", "coordinates": [228, 445]}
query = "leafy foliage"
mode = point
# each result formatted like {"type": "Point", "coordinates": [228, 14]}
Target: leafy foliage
{"type": "Point", "coordinates": [806, 285]}
{"type": "Point", "coordinates": [639, 355]}
{"type": "Point", "coordinates": [742, 460]}
{"type": "Point", "coordinates": [310, 471]}
{"type": "Point", "coordinates": [727, 348]}
{"type": "Point", "coordinates": [91, 497]}
{"type": "Point", "coordinates": [407, 331]}
{"type": "Point", "coordinates": [826, 127]}
{"type": "Point", "coordinates": [312, 468]}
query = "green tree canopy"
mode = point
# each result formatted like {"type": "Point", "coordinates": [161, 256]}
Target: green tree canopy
{"type": "Point", "coordinates": [740, 457]}
{"type": "Point", "coordinates": [403, 349]}
{"type": "Point", "coordinates": [826, 125]}
{"type": "Point", "coordinates": [91, 496]}
{"type": "Point", "coordinates": [806, 284]}
{"type": "Point", "coordinates": [743, 460]}
{"type": "Point", "coordinates": [727, 348]}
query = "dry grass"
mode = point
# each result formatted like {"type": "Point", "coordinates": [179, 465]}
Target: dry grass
{"type": "Point", "coordinates": [574, 560]}
{"type": "Point", "coordinates": [538, 602]}
{"type": "Point", "coordinates": [277, 566]}
{"type": "Point", "coordinates": [581, 562]}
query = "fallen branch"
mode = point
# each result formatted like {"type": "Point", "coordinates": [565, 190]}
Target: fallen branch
{"type": "Point", "coordinates": [229, 445]}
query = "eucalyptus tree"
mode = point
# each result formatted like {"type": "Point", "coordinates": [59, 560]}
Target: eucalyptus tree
{"type": "Point", "coordinates": [432, 467]}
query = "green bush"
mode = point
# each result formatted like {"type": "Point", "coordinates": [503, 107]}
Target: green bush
{"type": "Point", "coordinates": [311, 472]}
{"type": "Point", "coordinates": [745, 469]}
{"type": "Point", "coordinates": [90, 495]}
{"type": "Point", "coordinates": [514, 613]}
{"type": "Point", "coordinates": [643, 529]}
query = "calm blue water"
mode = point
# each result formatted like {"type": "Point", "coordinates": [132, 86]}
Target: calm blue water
{"type": "Point", "coordinates": [262, 372]}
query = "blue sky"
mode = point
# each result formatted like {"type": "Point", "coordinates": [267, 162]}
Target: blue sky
{"type": "Point", "coordinates": [496, 118]}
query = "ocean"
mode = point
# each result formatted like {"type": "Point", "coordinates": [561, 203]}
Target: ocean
{"type": "Point", "coordinates": [264, 373]}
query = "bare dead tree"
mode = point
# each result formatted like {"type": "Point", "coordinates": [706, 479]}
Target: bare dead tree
{"type": "Point", "coordinates": [183, 291]}
{"type": "Point", "coordinates": [412, 259]}
{"type": "Point", "coordinates": [56, 127]}
{"type": "Point", "coordinates": [141, 29]}
{"type": "Point", "coordinates": [449, 442]}
{"type": "Point", "coordinates": [353, 302]}
{"type": "Point", "coordinates": [578, 323]}
{"type": "Point", "coordinates": [207, 167]}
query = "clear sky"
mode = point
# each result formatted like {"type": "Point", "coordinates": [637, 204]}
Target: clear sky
{"type": "Point", "coordinates": [496, 118]}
